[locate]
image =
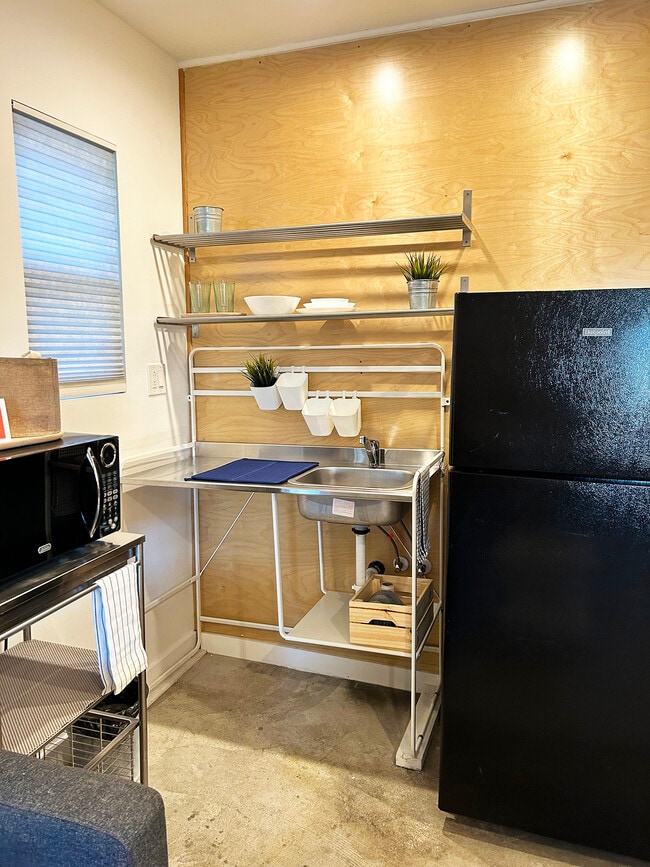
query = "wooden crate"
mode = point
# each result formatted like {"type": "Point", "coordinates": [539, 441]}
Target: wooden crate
{"type": "Point", "coordinates": [397, 637]}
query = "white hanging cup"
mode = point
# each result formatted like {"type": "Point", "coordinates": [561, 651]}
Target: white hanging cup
{"type": "Point", "coordinates": [346, 415]}
{"type": "Point", "coordinates": [316, 413]}
{"type": "Point", "coordinates": [293, 388]}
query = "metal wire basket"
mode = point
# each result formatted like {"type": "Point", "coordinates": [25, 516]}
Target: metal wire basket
{"type": "Point", "coordinates": [97, 741]}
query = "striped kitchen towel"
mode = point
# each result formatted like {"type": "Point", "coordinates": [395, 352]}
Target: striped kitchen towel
{"type": "Point", "coordinates": [116, 614]}
{"type": "Point", "coordinates": [422, 540]}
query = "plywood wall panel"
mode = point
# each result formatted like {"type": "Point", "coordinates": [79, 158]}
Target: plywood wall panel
{"type": "Point", "coordinates": [545, 116]}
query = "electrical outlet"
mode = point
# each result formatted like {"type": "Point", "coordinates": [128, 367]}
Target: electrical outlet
{"type": "Point", "coordinates": [156, 379]}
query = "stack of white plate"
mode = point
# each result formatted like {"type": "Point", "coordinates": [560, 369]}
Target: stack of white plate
{"type": "Point", "coordinates": [327, 305]}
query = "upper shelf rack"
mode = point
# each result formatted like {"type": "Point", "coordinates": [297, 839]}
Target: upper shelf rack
{"type": "Point", "coordinates": [409, 225]}
{"type": "Point", "coordinates": [216, 319]}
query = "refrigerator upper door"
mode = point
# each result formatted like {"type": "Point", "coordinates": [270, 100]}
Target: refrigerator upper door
{"type": "Point", "coordinates": [552, 382]}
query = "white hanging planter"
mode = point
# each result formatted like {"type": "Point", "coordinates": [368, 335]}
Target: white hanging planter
{"type": "Point", "coordinates": [316, 412]}
{"type": "Point", "coordinates": [293, 388]}
{"type": "Point", "coordinates": [345, 412]}
{"type": "Point", "coordinates": [267, 397]}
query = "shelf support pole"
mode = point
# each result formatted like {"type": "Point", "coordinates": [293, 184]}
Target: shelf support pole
{"type": "Point", "coordinates": [278, 566]}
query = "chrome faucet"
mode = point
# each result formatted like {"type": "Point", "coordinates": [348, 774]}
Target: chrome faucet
{"type": "Point", "coordinates": [374, 452]}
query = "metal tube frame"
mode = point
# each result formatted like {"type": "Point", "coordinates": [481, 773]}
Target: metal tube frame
{"type": "Point", "coordinates": [423, 712]}
{"type": "Point", "coordinates": [136, 556]}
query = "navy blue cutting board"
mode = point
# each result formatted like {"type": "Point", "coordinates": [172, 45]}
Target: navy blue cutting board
{"type": "Point", "coordinates": [254, 472]}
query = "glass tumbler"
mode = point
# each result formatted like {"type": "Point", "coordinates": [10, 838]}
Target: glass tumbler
{"type": "Point", "coordinates": [224, 296]}
{"type": "Point", "coordinates": [200, 296]}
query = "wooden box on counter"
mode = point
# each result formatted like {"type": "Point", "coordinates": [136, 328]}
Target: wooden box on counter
{"type": "Point", "coordinates": [398, 636]}
{"type": "Point", "coordinates": [30, 388]}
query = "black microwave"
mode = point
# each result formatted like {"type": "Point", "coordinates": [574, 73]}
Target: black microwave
{"type": "Point", "coordinates": [55, 497]}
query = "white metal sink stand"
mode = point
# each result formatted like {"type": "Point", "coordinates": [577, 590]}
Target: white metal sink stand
{"type": "Point", "coordinates": [423, 713]}
{"type": "Point", "coordinates": [333, 606]}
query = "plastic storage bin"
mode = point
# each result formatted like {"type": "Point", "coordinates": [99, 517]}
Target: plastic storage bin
{"type": "Point", "coordinates": [346, 415]}
{"type": "Point", "coordinates": [293, 388]}
{"type": "Point", "coordinates": [316, 413]}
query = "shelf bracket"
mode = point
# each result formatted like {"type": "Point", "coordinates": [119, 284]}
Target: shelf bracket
{"type": "Point", "coordinates": [467, 211]}
{"type": "Point", "coordinates": [191, 254]}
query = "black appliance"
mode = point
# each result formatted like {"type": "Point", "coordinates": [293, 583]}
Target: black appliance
{"type": "Point", "coordinates": [55, 497]}
{"type": "Point", "coordinates": [546, 636]}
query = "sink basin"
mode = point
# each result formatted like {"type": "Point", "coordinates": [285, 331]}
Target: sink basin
{"type": "Point", "coordinates": [354, 495]}
{"type": "Point", "coordinates": [366, 478]}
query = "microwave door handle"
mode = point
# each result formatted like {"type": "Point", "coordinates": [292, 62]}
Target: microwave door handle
{"type": "Point", "coordinates": [92, 460]}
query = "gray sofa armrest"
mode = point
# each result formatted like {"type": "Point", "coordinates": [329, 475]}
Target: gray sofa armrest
{"type": "Point", "coordinates": [61, 817]}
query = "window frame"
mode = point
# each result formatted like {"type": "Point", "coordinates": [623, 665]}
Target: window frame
{"type": "Point", "coordinates": [86, 386]}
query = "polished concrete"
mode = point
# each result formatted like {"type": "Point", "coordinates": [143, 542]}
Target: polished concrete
{"type": "Point", "coordinates": [260, 765]}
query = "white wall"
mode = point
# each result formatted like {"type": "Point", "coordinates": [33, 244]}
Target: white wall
{"type": "Point", "coordinates": [76, 62]}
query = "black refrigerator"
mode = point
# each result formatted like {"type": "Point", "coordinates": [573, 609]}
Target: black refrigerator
{"type": "Point", "coordinates": [545, 720]}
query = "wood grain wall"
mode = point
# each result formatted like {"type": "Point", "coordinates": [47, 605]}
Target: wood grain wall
{"type": "Point", "coordinates": [545, 116]}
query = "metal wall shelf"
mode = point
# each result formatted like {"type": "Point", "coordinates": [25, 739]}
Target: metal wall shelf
{"type": "Point", "coordinates": [216, 319]}
{"type": "Point", "coordinates": [323, 231]}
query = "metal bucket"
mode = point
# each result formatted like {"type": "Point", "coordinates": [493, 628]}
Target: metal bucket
{"type": "Point", "coordinates": [207, 218]}
{"type": "Point", "coordinates": [422, 294]}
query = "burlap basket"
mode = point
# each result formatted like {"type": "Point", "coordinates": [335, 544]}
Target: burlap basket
{"type": "Point", "coordinates": [30, 388]}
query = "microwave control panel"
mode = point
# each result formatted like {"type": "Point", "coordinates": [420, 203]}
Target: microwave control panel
{"type": "Point", "coordinates": [110, 483]}
{"type": "Point", "coordinates": [110, 521]}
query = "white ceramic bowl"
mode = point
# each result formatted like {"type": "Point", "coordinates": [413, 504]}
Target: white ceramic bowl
{"type": "Point", "coordinates": [271, 305]}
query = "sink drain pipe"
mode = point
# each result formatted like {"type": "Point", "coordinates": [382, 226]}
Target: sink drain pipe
{"type": "Point", "coordinates": [363, 573]}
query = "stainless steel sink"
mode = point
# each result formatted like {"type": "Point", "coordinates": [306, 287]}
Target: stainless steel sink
{"type": "Point", "coordinates": [355, 495]}
{"type": "Point", "coordinates": [364, 478]}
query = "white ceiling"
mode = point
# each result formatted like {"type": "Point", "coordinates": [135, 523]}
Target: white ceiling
{"type": "Point", "coordinates": [208, 31]}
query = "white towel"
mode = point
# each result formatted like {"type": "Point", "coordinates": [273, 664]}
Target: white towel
{"type": "Point", "coordinates": [116, 613]}
{"type": "Point", "coordinates": [422, 541]}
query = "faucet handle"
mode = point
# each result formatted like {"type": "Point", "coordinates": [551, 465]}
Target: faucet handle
{"type": "Point", "coordinates": [365, 441]}
{"type": "Point", "coordinates": [374, 452]}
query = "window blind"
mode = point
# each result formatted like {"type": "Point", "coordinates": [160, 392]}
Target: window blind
{"type": "Point", "coordinates": [67, 189]}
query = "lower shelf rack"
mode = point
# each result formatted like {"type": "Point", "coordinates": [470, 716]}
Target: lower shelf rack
{"type": "Point", "coordinates": [42, 687]}
{"type": "Point", "coordinates": [328, 624]}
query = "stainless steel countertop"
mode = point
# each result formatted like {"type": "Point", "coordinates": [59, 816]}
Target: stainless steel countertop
{"type": "Point", "coordinates": [173, 472]}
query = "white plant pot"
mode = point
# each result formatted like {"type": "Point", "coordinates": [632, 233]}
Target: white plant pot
{"type": "Point", "coordinates": [422, 294]}
{"type": "Point", "coordinates": [268, 397]}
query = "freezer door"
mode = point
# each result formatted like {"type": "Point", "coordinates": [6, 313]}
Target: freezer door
{"type": "Point", "coordinates": [552, 382]}
{"type": "Point", "coordinates": [546, 658]}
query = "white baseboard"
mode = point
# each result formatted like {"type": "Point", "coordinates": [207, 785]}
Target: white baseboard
{"type": "Point", "coordinates": [179, 659]}
{"type": "Point", "coordinates": [289, 656]}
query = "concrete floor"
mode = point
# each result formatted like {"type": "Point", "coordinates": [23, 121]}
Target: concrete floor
{"type": "Point", "coordinates": [260, 765]}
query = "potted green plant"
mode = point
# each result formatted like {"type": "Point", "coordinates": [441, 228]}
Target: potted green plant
{"type": "Point", "coordinates": [262, 373]}
{"type": "Point", "coordinates": [422, 273]}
